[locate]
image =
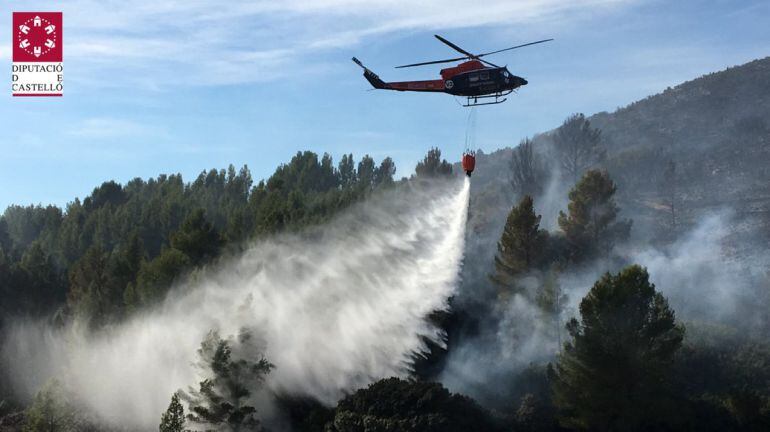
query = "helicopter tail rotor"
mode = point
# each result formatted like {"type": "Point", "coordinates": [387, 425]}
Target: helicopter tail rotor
{"type": "Point", "coordinates": [372, 77]}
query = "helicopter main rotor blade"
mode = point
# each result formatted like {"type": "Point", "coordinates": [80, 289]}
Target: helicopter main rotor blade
{"type": "Point", "coordinates": [468, 55]}
{"type": "Point", "coordinates": [517, 46]}
{"type": "Point", "coordinates": [455, 47]}
{"type": "Point", "coordinates": [432, 62]}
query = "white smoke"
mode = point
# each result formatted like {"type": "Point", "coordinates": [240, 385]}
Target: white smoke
{"type": "Point", "coordinates": [336, 307]}
{"type": "Point", "coordinates": [554, 199]}
{"type": "Point", "coordinates": [696, 273]}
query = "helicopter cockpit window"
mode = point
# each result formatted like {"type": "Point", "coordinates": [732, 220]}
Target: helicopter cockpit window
{"type": "Point", "coordinates": [485, 75]}
{"type": "Point", "coordinates": [473, 78]}
{"type": "Point", "coordinates": [505, 74]}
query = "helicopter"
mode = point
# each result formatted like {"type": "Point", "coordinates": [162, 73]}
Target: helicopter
{"type": "Point", "coordinates": [480, 81]}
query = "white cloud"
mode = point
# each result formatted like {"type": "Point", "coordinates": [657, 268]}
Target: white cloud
{"type": "Point", "coordinates": [206, 42]}
{"type": "Point", "coordinates": [106, 127]}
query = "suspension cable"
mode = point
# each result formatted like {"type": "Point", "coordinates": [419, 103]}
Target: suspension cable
{"type": "Point", "coordinates": [470, 130]}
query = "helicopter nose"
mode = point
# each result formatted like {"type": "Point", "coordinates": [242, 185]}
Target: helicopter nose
{"type": "Point", "coordinates": [524, 82]}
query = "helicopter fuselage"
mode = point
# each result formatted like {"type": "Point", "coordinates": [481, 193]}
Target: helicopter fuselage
{"type": "Point", "coordinates": [470, 79]}
{"type": "Point", "coordinates": [478, 80]}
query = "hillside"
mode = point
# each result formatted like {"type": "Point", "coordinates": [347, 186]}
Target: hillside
{"type": "Point", "coordinates": [701, 113]}
{"type": "Point", "coordinates": [714, 128]}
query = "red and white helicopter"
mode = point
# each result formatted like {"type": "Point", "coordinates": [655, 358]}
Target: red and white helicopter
{"type": "Point", "coordinates": [476, 79]}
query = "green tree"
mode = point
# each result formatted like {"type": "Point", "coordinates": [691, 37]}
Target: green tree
{"type": "Point", "coordinates": [173, 419]}
{"type": "Point", "coordinates": [395, 405]}
{"type": "Point", "coordinates": [50, 411]}
{"type": "Point", "coordinates": [7, 270]}
{"type": "Point", "coordinates": [522, 246]}
{"type": "Point", "coordinates": [591, 228]}
{"type": "Point", "coordinates": [578, 146]}
{"type": "Point", "coordinates": [32, 223]}
{"type": "Point", "coordinates": [197, 238]}
{"type": "Point", "coordinates": [155, 277]}
{"type": "Point", "coordinates": [42, 284]}
{"type": "Point", "coordinates": [99, 280]}
{"type": "Point", "coordinates": [5, 240]}
{"type": "Point", "coordinates": [385, 172]}
{"type": "Point", "coordinates": [366, 172]}
{"type": "Point", "coordinates": [433, 166]}
{"type": "Point", "coordinates": [535, 415]}
{"type": "Point", "coordinates": [305, 173]}
{"type": "Point", "coordinates": [92, 294]}
{"type": "Point", "coordinates": [109, 192]}
{"type": "Point", "coordinates": [222, 399]}
{"type": "Point", "coordinates": [347, 170]}
{"type": "Point", "coordinates": [130, 256]}
{"type": "Point", "coordinates": [615, 372]}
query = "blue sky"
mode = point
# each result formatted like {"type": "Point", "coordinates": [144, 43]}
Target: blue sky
{"type": "Point", "coordinates": [181, 86]}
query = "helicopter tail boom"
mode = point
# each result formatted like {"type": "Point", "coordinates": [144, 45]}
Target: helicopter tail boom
{"type": "Point", "coordinates": [372, 77]}
{"type": "Point", "coordinates": [418, 86]}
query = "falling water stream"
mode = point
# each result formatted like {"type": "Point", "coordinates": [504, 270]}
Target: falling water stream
{"type": "Point", "coordinates": [334, 308]}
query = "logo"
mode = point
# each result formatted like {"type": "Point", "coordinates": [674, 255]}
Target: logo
{"type": "Point", "coordinates": [38, 53]}
{"type": "Point", "coordinates": [449, 84]}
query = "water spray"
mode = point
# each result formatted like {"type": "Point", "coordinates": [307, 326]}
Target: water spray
{"type": "Point", "coordinates": [334, 308]}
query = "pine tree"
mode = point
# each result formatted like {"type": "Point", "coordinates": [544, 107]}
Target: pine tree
{"type": "Point", "coordinates": [97, 284]}
{"type": "Point", "coordinates": [5, 240]}
{"type": "Point", "coordinates": [347, 170]}
{"type": "Point", "coordinates": [223, 398]}
{"type": "Point", "coordinates": [197, 238]}
{"type": "Point", "coordinates": [173, 419]}
{"type": "Point", "coordinates": [614, 373]}
{"type": "Point", "coordinates": [591, 228]}
{"type": "Point", "coordinates": [535, 415]}
{"type": "Point", "coordinates": [396, 405]}
{"type": "Point", "coordinates": [385, 172]}
{"type": "Point", "coordinates": [578, 146]}
{"type": "Point", "coordinates": [366, 172]}
{"type": "Point", "coordinates": [433, 166]}
{"type": "Point", "coordinates": [329, 176]}
{"type": "Point", "coordinates": [521, 247]}
{"type": "Point", "coordinates": [155, 277]}
{"type": "Point", "coordinates": [51, 410]}
{"type": "Point", "coordinates": [42, 287]}
{"type": "Point", "coordinates": [527, 171]}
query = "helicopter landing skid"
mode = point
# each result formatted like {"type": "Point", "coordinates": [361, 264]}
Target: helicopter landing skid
{"type": "Point", "coordinates": [474, 100]}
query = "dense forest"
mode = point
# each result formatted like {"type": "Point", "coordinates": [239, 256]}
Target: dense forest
{"type": "Point", "coordinates": [561, 325]}
{"type": "Point", "coordinates": [122, 246]}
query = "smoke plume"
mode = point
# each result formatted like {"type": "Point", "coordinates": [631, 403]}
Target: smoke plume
{"type": "Point", "coordinates": [696, 273]}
